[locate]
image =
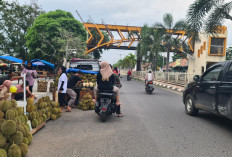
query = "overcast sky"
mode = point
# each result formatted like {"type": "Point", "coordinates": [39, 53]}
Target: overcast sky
{"type": "Point", "coordinates": [124, 12]}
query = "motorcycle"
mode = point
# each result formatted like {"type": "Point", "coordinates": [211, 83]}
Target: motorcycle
{"type": "Point", "coordinates": [128, 77]}
{"type": "Point", "coordinates": [106, 104]}
{"type": "Point", "coordinates": [149, 87]}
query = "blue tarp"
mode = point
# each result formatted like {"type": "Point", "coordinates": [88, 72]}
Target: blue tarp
{"type": "Point", "coordinates": [83, 71]}
{"type": "Point", "coordinates": [10, 58]}
{"type": "Point", "coordinates": [45, 62]}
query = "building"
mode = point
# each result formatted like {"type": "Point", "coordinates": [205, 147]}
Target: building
{"type": "Point", "coordinates": [210, 50]}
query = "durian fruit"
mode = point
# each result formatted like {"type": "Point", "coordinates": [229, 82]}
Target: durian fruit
{"type": "Point", "coordinates": [53, 116]}
{"type": "Point", "coordinates": [34, 123]}
{"type": "Point", "coordinates": [44, 117]}
{"type": "Point", "coordinates": [30, 101]}
{"type": "Point", "coordinates": [18, 121]}
{"type": "Point", "coordinates": [41, 105]}
{"type": "Point", "coordinates": [3, 153]}
{"type": "Point", "coordinates": [24, 149]}
{"type": "Point", "coordinates": [10, 115]}
{"type": "Point", "coordinates": [40, 113]}
{"type": "Point", "coordinates": [42, 120]}
{"type": "Point", "coordinates": [13, 103]}
{"type": "Point", "coordinates": [5, 105]}
{"type": "Point", "coordinates": [20, 111]}
{"type": "Point", "coordinates": [25, 140]}
{"type": "Point", "coordinates": [1, 122]}
{"type": "Point", "coordinates": [30, 108]}
{"type": "Point", "coordinates": [39, 121]}
{"type": "Point", "coordinates": [2, 140]}
{"type": "Point", "coordinates": [1, 114]}
{"type": "Point", "coordinates": [30, 138]}
{"type": "Point", "coordinates": [48, 114]}
{"type": "Point", "coordinates": [32, 116]}
{"type": "Point", "coordinates": [55, 111]}
{"type": "Point", "coordinates": [22, 129]}
{"type": "Point", "coordinates": [84, 108]}
{"type": "Point", "coordinates": [16, 138]}
{"type": "Point", "coordinates": [25, 117]}
{"type": "Point", "coordinates": [40, 100]}
{"type": "Point", "coordinates": [8, 127]}
{"type": "Point", "coordinates": [43, 111]}
{"type": "Point", "coordinates": [14, 151]}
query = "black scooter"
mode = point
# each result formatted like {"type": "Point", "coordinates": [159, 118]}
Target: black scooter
{"type": "Point", "coordinates": [106, 104]}
{"type": "Point", "coordinates": [149, 87]}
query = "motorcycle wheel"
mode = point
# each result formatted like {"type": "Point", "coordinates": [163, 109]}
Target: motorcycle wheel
{"type": "Point", "coordinates": [103, 116]}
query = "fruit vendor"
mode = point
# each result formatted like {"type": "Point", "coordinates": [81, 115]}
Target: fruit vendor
{"type": "Point", "coordinates": [62, 89]}
{"type": "Point", "coordinates": [30, 74]}
{"type": "Point", "coordinates": [74, 79]}
{"type": "Point", "coordinates": [20, 92]}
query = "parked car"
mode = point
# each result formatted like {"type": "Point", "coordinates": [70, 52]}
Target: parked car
{"type": "Point", "coordinates": [211, 92]}
{"type": "Point", "coordinates": [85, 64]}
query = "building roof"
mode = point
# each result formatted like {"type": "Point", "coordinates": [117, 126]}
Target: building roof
{"type": "Point", "coordinates": [178, 62]}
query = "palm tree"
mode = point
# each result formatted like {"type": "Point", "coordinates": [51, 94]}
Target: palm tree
{"type": "Point", "coordinates": [216, 10]}
{"type": "Point", "coordinates": [129, 61]}
{"type": "Point", "coordinates": [170, 29]}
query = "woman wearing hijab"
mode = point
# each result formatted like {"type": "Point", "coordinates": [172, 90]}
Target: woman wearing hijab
{"type": "Point", "coordinates": [30, 74]}
{"type": "Point", "coordinates": [4, 90]}
{"type": "Point", "coordinates": [62, 89]}
{"type": "Point", "coordinates": [105, 81]}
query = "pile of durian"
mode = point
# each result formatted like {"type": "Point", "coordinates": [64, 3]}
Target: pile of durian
{"type": "Point", "coordinates": [86, 103]}
{"type": "Point", "coordinates": [43, 110]}
{"type": "Point", "coordinates": [15, 133]}
{"type": "Point", "coordinates": [89, 80]}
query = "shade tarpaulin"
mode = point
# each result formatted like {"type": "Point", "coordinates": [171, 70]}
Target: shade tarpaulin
{"type": "Point", "coordinates": [83, 71]}
{"type": "Point", "coordinates": [10, 58]}
{"type": "Point", "coordinates": [45, 62]}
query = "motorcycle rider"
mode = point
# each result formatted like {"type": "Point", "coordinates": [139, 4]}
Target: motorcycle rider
{"type": "Point", "coordinates": [149, 77]}
{"type": "Point", "coordinates": [117, 79]}
{"type": "Point", "coordinates": [105, 81]}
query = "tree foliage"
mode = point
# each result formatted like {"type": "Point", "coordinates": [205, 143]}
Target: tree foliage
{"type": "Point", "coordinates": [128, 62]}
{"type": "Point", "coordinates": [208, 14]}
{"type": "Point", "coordinates": [169, 27]}
{"type": "Point", "coordinates": [15, 19]}
{"type": "Point", "coordinates": [52, 32]}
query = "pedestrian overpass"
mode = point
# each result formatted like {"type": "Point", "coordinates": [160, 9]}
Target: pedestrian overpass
{"type": "Point", "coordinates": [124, 34]}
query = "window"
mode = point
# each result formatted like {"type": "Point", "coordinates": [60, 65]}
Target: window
{"type": "Point", "coordinates": [213, 74]}
{"type": "Point", "coordinates": [217, 46]}
{"type": "Point", "coordinates": [228, 77]}
{"type": "Point", "coordinates": [84, 67]}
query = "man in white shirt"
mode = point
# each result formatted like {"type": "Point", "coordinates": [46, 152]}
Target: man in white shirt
{"type": "Point", "coordinates": [149, 77]}
{"type": "Point", "coordinates": [62, 89]}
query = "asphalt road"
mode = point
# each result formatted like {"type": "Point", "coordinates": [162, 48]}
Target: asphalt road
{"type": "Point", "coordinates": [153, 126]}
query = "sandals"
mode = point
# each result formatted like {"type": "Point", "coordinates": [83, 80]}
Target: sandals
{"type": "Point", "coordinates": [68, 109]}
{"type": "Point", "coordinates": [120, 115]}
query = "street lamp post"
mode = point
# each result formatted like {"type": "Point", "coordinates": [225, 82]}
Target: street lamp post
{"type": "Point", "coordinates": [66, 54]}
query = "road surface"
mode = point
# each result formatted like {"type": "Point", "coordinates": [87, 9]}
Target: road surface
{"type": "Point", "coordinates": [153, 126]}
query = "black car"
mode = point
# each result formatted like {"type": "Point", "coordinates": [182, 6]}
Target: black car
{"type": "Point", "coordinates": [211, 92]}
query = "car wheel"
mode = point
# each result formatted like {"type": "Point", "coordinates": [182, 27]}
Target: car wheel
{"type": "Point", "coordinates": [190, 106]}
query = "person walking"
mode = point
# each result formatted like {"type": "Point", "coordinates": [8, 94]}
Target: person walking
{"type": "Point", "coordinates": [30, 74]}
{"type": "Point", "coordinates": [72, 83]}
{"type": "Point", "coordinates": [62, 89]}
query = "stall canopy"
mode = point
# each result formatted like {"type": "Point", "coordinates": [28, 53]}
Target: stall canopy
{"type": "Point", "coordinates": [10, 58]}
{"type": "Point", "coordinates": [34, 61]}
{"type": "Point", "coordinates": [83, 71]}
